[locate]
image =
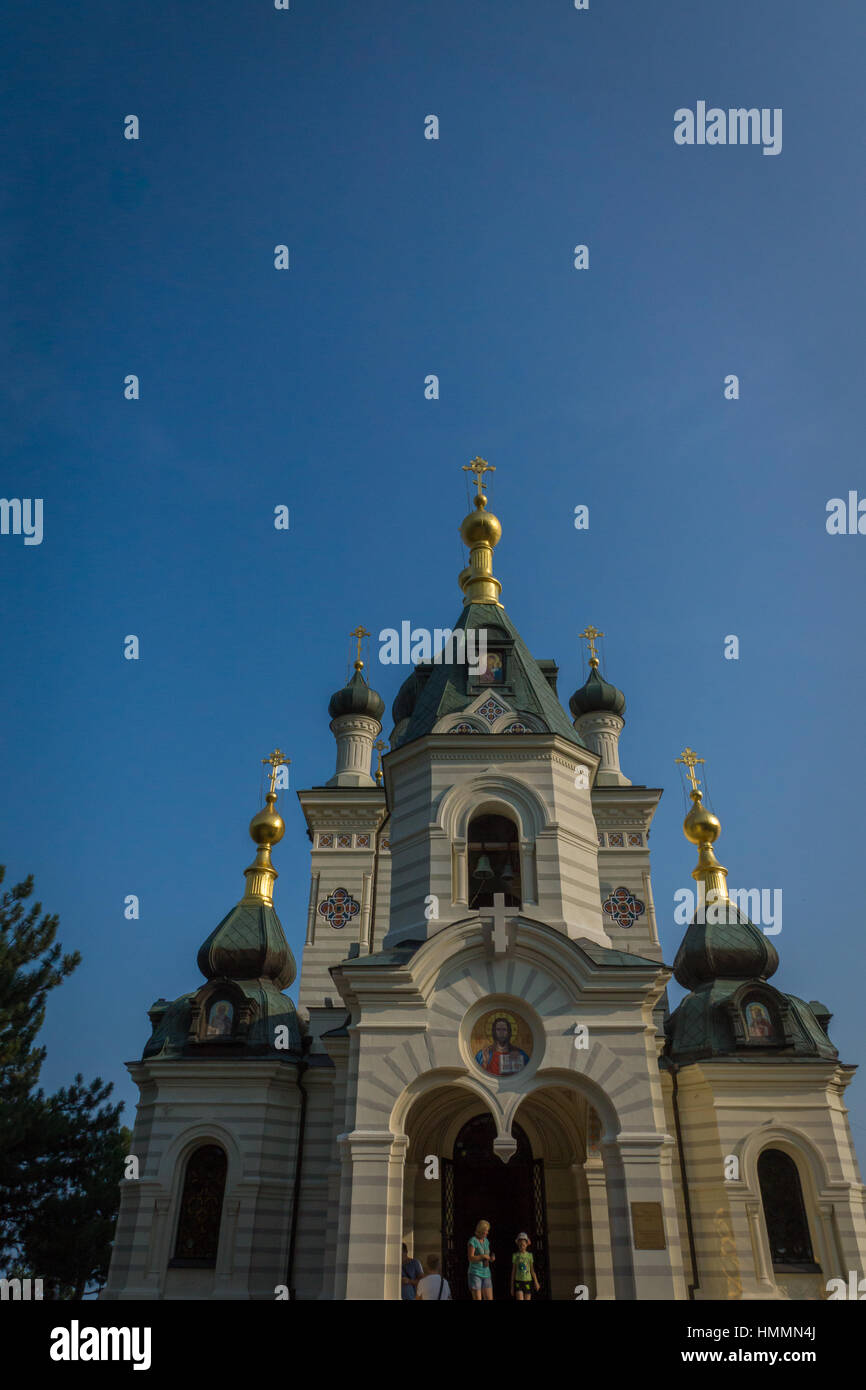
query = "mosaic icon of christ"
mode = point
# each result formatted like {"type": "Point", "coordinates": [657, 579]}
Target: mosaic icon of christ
{"type": "Point", "coordinates": [502, 1059]}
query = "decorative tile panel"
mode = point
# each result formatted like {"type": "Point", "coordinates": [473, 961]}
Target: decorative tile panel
{"type": "Point", "coordinates": [363, 841]}
{"type": "Point", "coordinates": [326, 842]}
{"type": "Point", "coordinates": [635, 839]}
{"type": "Point", "coordinates": [463, 729]}
{"type": "Point", "coordinates": [491, 710]}
{"type": "Point", "coordinates": [601, 839]}
{"type": "Point", "coordinates": [623, 907]}
{"type": "Point", "coordinates": [516, 728]}
{"type": "Point", "coordinates": [615, 840]}
{"type": "Point", "coordinates": [344, 842]}
{"type": "Point", "coordinates": [339, 907]}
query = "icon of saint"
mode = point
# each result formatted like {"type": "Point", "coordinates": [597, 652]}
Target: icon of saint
{"type": "Point", "coordinates": [219, 1024]}
{"type": "Point", "coordinates": [493, 671]}
{"type": "Point", "coordinates": [759, 1021]}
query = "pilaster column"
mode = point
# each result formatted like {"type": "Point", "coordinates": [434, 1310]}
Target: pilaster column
{"type": "Point", "coordinates": [638, 1169]}
{"type": "Point", "coordinates": [528, 885]}
{"type": "Point", "coordinates": [158, 1255]}
{"type": "Point", "coordinates": [366, 904]}
{"type": "Point", "coordinates": [460, 874]}
{"type": "Point", "coordinates": [226, 1255]}
{"type": "Point", "coordinates": [371, 1201]}
{"type": "Point", "coordinates": [830, 1263]}
{"type": "Point", "coordinates": [595, 1182]}
{"type": "Point", "coordinates": [760, 1248]}
{"type": "Point", "coordinates": [311, 910]}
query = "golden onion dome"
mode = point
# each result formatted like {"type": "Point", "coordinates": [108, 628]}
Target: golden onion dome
{"type": "Point", "coordinates": [267, 826]}
{"type": "Point", "coordinates": [480, 527]}
{"type": "Point", "coordinates": [700, 825]}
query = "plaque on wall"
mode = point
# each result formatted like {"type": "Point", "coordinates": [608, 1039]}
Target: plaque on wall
{"type": "Point", "coordinates": [647, 1226]}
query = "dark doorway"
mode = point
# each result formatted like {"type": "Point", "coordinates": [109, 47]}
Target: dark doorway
{"type": "Point", "coordinates": [478, 1186]}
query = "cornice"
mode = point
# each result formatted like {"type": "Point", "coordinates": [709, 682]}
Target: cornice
{"type": "Point", "coordinates": [534, 942]}
{"type": "Point", "coordinates": [346, 818]}
{"type": "Point", "coordinates": [746, 1080]}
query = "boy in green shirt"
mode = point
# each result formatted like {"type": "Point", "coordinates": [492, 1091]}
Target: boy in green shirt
{"type": "Point", "coordinates": [523, 1277]}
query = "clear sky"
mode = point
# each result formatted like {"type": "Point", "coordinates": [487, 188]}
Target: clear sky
{"type": "Point", "coordinates": [305, 388]}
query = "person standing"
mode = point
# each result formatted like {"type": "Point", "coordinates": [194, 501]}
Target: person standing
{"type": "Point", "coordinates": [434, 1286]}
{"type": "Point", "coordinates": [523, 1276]}
{"type": "Point", "coordinates": [480, 1260]}
{"type": "Point", "coordinates": [412, 1271]}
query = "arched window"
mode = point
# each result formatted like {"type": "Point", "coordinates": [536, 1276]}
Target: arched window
{"type": "Point", "coordinates": [784, 1211]}
{"type": "Point", "coordinates": [493, 861]}
{"type": "Point", "coordinates": [201, 1205]}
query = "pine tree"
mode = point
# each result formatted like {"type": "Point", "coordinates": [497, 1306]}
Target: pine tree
{"type": "Point", "coordinates": [61, 1157]}
{"type": "Point", "coordinates": [65, 1234]}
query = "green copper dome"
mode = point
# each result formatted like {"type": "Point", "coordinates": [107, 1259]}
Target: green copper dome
{"type": "Point", "coordinates": [248, 944]}
{"type": "Point", "coordinates": [407, 696]}
{"type": "Point", "coordinates": [356, 698]}
{"type": "Point", "coordinates": [597, 696]}
{"type": "Point", "coordinates": [727, 950]}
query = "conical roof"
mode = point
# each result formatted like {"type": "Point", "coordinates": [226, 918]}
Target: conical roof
{"type": "Point", "coordinates": [450, 687]}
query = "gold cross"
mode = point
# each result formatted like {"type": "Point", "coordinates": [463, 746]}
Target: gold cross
{"type": "Point", "coordinates": [590, 633]}
{"type": "Point", "coordinates": [275, 761]}
{"type": "Point", "coordinates": [379, 746]}
{"type": "Point", "coordinates": [690, 758]}
{"type": "Point", "coordinates": [360, 631]}
{"type": "Point", "coordinates": [479, 467]}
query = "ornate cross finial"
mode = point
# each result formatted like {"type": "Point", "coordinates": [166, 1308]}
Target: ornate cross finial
{"type": "Point", "coordinates": [275, 762]}
{"type": "Point", "coordinates": [380, 747]}
{"type": "Point", "coordinates": [691, 759]}
{"type": "Point", "coordinates": [360, 631]}
{"type": "Point", "coordinates": [590, 633]}
{"type": "Point", "coordinates": [479, 467]}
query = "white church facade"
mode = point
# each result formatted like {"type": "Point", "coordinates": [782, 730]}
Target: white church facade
{"type": "Point", "coordinates": [483, 1031]}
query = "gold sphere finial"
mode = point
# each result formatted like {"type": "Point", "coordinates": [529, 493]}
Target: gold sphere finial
{"type": "Point", "coordinates": [703, 829]}
{"type": "Point", "coordinates": [359, 633]}
{"type": "Point", "coordinates": [480, 531]}
{"type": "Point", "coordinates": [380, 747]}
{"type": "Point", "coordinates": [590, 633]}
{"type": "Point", "coordinates": [267, 826]}
{"type": "Point", "coordinates": [700, 825]}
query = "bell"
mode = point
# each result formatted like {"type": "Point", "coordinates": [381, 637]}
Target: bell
{"type": "Point", "coordinates": [507, 873]}
{"type": "Point", "coordinates": [482, 868]}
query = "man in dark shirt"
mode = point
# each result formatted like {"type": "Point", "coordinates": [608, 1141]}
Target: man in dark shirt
{"type": "Point", "coordinates": [412, 1271]}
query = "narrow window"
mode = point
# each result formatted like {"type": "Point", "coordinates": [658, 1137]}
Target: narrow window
{"type": "Point", "coordinates": [784, 1211]}
{"type": "Point", "coordinates": [494, 861]}
{"type": "Point", "coordinates": [201, 1205]}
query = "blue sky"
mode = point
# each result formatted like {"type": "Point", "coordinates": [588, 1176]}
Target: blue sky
{"type": "Point", "coordinates": [306, 388]}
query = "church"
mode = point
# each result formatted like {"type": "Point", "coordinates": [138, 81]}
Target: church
{"type": "Point", "coordinates": [483, 1029]}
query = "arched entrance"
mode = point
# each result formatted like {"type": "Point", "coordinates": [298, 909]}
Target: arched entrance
{"type": "Point", "coordinates": [478, 1186]}
{"type": "Point", "coordinates": [449, 1126]}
